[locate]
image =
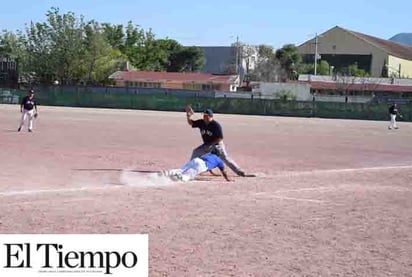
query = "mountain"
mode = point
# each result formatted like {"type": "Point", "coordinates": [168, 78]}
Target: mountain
{"type": "Point", "coordinates": [403, 38]}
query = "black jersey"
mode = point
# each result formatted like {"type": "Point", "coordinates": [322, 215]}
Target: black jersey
{"type": "Point", "coordinates": [209, 131]}
{"type": "Point", "coordinates": [28, 104]}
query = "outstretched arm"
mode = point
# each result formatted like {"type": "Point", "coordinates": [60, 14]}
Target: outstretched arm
{"type": "Point", "coordinates": [189, 113]}
{"type": "Point", "coordinates": [224, 173]}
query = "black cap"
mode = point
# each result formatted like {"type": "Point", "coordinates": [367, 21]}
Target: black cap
{"type": "Point", "coordinates": [31, 91]}
{"type": "Point", "coordinates": [209, 112]}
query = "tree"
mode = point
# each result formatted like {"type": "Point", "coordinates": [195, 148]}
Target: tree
{"type": "Point", "coordinates": [188, 59]}
{"type": "Point", "coordinates": [354, 70]}
{"type": "Point", "coordinates": [99, 56]}
{"type": "Point", "coordinates": [114, 35]}
{"type": "Point", "coordinates": [268, 67]}
{"type": "Point", "coordinates": [67, 49]}
{"type": "Point", "coordinates": [289, 60]}
{"type": "Point", "coordinates": [323, 68]}
{"type": "Point", "coordinates": [56, 47]}
{"type": "Point", "coordinates": [13, 46]}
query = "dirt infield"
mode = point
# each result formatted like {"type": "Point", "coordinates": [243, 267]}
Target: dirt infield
{"type": "Point", "coordinates": [332, 197]}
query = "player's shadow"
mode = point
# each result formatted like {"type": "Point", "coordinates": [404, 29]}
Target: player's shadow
{"type": "Point", "coordinates": [116, 169]}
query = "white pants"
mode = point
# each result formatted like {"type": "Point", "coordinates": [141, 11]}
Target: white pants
{"type": "Point", "coordinates": [393, 122]}
{"type": "Point", "coordinates": [221, 152]}
{"type": "Point", "coordinates": [189, 170]}
{"type": "Point", "coordinates": [30, 114]}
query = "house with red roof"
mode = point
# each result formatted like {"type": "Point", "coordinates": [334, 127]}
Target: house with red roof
{"type": "Point", "coordinates": [175, 80]}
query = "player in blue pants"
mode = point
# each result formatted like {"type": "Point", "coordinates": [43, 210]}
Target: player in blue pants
{"type": "Point", "coordinates": [196, 166]}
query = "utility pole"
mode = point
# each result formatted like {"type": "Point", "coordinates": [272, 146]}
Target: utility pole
{"type": "Point", "coordinates": [237, 55]}
{"type": "Point", "coordinates": [316, 52]}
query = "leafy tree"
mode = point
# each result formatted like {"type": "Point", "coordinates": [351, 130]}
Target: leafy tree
{"type": "Point", "coordinates": [354, 70]}
{"type": "Point", "coordinates": [99, 56]}
{"type": "Point", "coordinates": [187, 59]}
{"type": "Point", "coordinates": [268, 67]}
{"type": "Point", "coordinates": [67, 49]}
{"type": "Point", "coordinates": [114, 35]}
{"type": "Point", "coordinates": [13, 46]}
{"type": "Point", "coordinates": [323, 68]}
{"type": "Point", "coordinates": [289, 60]}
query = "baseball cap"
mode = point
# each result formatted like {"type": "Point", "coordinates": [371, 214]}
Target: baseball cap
{"type": "Point", "coordinates": [31, 91]}
{"type": "Point", "coordinates": [209, 112]}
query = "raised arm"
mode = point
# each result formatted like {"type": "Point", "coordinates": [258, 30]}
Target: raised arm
{"type": "Point", "coordinates": [189, 113]}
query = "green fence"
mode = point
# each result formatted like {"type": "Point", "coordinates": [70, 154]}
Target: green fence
{"type": "Point", "coordinates": [371, 111]}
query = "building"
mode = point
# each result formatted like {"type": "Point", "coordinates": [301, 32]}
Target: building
{"type": "Point", "coordinates": [341, 48]}
{"type": "Point", "coordinates": [8, 72]}
{"type": "Point", "coordinates": [175, 80]}
{"type": "Point", "coordinates": [338, 89]}
{"type": "Point", "coordinates": [222, 59]}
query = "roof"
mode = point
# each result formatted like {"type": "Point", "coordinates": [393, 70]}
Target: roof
{"type": "Point", "coordinates": [172, 76]}
{"type": "Point", "coordinates": [359, 87]}
{"type": "Point", "coordinates": [390, 47]}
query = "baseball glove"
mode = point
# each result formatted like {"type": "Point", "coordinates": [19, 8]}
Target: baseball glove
{"type": "Point", "coordinates": [217, 150]}
{"type": "Point", "coordinates": [189, 110]}
{"type": "Point", "coordinates": [36, 115]}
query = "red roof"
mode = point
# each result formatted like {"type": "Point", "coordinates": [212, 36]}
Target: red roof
{"type": "Point", "coordinates": [359, 87]}
{"type": "Point", "coordinates": [173, 76]}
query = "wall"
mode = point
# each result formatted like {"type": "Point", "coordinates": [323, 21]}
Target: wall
{"type": "Point", "coordinates": [275, 90]}
{"type": "Point", "coordinates": [342, 99]}
{"type": "Point", "coordinates": [373, 111]}
{"type": "Point", "coordinates": [405, 66]}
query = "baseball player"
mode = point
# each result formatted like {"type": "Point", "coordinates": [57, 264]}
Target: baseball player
{"type": "Point", "coordinates": [196, 166]}
{"type": "Point", "coordinates": [212, 136]}
{"type": "Point", "coordinates": [28, 108]}
{"type": "Point", "coordinates": [393, 112]}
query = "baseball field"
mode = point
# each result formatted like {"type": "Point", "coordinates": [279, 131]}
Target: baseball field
{"type": "Point", "coordinates": [331, 197]}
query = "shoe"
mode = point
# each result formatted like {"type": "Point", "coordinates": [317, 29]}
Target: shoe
{"type": "Point", "coordinates": [176, 177]}
{"type": "Point", "coordinates": [241, 174]}
{"type": "Point", "coordinates": [396, 127]}
{"type": "Point", "coordinates": [18, 130]}
{"type": "Point", "coordinates": [30, 130]}
{"type": "Point", "coordinates": [164, 173]}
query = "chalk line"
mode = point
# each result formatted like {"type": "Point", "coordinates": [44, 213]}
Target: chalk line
{"type": "Point", "coordinates": [63, 190]}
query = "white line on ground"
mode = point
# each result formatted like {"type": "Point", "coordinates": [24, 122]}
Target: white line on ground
{"type": "Point", "coordinates": [291, 173]}
{"type": "Point", "coordinates": [341, 170]}
{"type": "Point", "coordinates": [295, 199]}
{"type": "Point", "coordinates": [48, 201]}
{"type": "Point", "coordinates": [64, 190]}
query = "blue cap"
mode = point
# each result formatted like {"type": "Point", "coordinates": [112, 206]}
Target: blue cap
{"type": "Point", "coordinates": [209, 112]}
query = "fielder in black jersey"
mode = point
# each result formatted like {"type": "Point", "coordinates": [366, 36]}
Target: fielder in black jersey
{"type": "Point", "coordinates": [393, 112]}
{"type": "Point", "coordinates": [28, 108]}
{"type": "Point", "coordinates": [212, 136]}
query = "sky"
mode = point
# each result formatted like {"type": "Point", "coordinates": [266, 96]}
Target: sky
{"type": "Point", "coordinates": [221, 23]}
